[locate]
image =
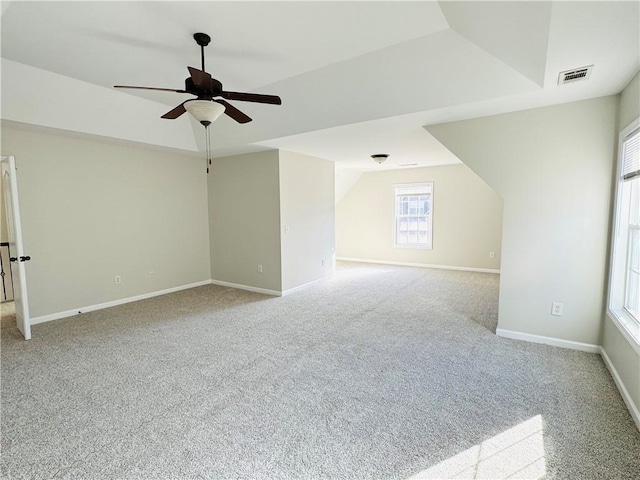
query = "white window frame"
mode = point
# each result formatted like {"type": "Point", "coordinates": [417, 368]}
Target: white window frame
{"type": "Point", "coordinates": [423, 246]}
{"type": "Point", "coordinates": [616, 311]}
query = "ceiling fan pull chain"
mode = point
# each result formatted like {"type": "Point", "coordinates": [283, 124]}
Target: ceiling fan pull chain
{"type": "Point", "coordinates": [208, 146]}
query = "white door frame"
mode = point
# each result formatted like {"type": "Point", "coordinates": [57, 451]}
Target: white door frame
{"type": "Point", "coordinates": [14, 226]}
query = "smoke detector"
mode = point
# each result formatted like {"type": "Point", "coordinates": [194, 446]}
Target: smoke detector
{"type": "Point", "coordinates": [380, 158]}
{"type": "Point", "coordinates": [574, 75]}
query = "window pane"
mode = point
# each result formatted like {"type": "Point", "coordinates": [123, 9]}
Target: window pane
{"type": "Point", "coordinates": [424, 205]}
{"type": "Point", "coordinates": [413, 205]}
{"type": "Point", "coordinates": [631, 155]}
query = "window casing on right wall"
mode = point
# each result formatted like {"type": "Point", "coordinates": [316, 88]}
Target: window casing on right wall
{"type": "Point", "coordinates": [624, 284]}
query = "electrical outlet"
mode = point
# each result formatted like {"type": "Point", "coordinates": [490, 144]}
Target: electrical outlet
{"type": "Point", "coordinates": [557, 308]}
{"type": "Point", "coordinates": [117, 279]}
{"type": "Point", "coordinates": [152, 273]}
{"type": "Point", "coordinates": [492, 254]}
{"type": "Point", "coordinates": [259, 268]}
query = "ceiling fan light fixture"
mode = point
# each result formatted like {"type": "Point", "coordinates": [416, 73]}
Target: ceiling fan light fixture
{"type": "Point", "coordinates": [205, 111]}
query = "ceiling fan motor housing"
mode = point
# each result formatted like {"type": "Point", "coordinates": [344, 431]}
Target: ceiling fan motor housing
{"type": "Point", "coordinates": [215, 88]}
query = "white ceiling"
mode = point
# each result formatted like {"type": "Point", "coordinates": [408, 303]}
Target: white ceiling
{"type": "Point", "coordinates": [356, 78]}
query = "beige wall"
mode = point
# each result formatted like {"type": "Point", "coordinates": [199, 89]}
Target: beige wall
{"type": "Point", "coordinates": [93, 209]}
{"type": "Point", "coordinates": [625, 359]}
{"type": "Point", "coordinates": [307, 215]}
{"type": "Point", "coordinates": [467, 219]}
{"type": "Point", "coordinates": [252, 198]}
{"type": "Point", "coordinates": [345, 179]}
{"type": "Point", "coordinates": [244, 220]}
{"type": "Point", "coordinates": [629, 103]}
{"type": "Point", "coordinates": [552, 166]}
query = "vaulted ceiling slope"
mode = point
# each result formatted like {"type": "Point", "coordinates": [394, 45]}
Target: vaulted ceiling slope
{"type": "Point", "coordinates": [355, 78]}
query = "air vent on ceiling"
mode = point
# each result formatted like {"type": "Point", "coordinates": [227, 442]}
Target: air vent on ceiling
{"type": "Point", "coordinates": [574, 75]}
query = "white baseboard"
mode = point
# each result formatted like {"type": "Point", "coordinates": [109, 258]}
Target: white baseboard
{"type": "Point", "coordinates": [585, 347]}
{"type": "Point", "coordinates": [304, 285]}
{"type": "Point", "coordinates": [421, 265]}
{"type": "Point", "coordinates": [633, 409]}
{"type": "Point", "coordinates": [556, 342]}
{"type": "Point", "coordinates": [100, 306]}
{"type": "Point", "coordinates": [248, 288]}
{"type": "Point", "coordinates": [266, 291]}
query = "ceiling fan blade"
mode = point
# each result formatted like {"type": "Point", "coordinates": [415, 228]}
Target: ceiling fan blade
{"type": "Point", "coordinates": [200, 79]}
{"type": "Point", "coordinates": [252, 97]}
{"type": "Point", "coordinates": [234, 113]}
{"type": "Point", "coordinates": [176, 112]}
{"type": "Point", "coordinates": [151, 88]}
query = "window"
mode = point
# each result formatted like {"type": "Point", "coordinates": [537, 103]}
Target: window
{"type": "Point", "coordinates": [413, 211]}
{"type": "Point", "coordinates": [624, 288]}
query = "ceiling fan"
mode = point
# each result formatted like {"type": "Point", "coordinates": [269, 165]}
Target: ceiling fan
{"type": "Point", "coordinates": [211, 98]}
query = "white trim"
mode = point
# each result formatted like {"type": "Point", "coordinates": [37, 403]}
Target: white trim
{"type": "Point", "coordinates": [100, 306]}
{"type": "Point", "coordinates": [304, 285]}
{"type": "Point", "coordinates": [556, 342]}
{"type": "Point", "coordinates": [620, 323]}
{"type": "Point", "coordinates": [421, 265]}
{"type": "Point", "coordinates": [249, 288]}
{"type": "Point", "coordinates": [633, 409]}
{"type": "Point", "coordinates": [14, 225]}
{"type": "Point", "coordinates": [428, 246]}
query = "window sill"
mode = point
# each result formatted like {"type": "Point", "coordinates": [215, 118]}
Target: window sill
{"type": "Point", "coordinates": [628, 326]}
{"type": "Point", "coordinates": [416, 247]}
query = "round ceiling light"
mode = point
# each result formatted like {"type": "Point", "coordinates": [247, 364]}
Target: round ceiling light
{"type": "Point", "coordinates": [379, 158]}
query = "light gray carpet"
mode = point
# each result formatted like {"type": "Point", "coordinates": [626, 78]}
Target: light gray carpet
{"type": "Point", "coordinates": [380, 372]}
